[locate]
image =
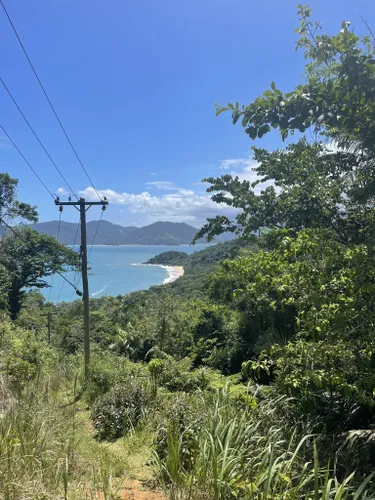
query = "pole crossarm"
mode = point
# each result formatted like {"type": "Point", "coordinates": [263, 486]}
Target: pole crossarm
{"type": "Point", "coordinates": [77, 203]}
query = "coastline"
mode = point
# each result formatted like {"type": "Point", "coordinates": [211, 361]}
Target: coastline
{"type": "Point", "coordinates": [174, 272]}
{"type": "Point", "coordinates": [146, 245]}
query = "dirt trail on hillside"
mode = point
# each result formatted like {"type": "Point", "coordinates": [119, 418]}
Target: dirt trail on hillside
{"type": "Point", "coordinates": [133, 489]}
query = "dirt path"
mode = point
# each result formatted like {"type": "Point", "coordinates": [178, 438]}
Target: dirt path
{"type": "Point", "coordinates": [125, 461]}
{"type": "Point", "coordinates": [134, 489]}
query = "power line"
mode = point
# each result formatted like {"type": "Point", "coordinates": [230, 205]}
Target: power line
{"type": "Point", "coordinates": [76, 272]}
{"type": "Point", "coordinates": [77, 276]}
{"type": "Point", "coordinates": [5, 233]}
{"type": "Point", "coordinates": [96, 232]}
{"type": "Point", "coordinates": [75, 280]}
{"type": "Point", "coordinates": [60, 292]}
{"type": "Point", "coordinates": [59, 226]}
{"type": "Point", "coordinates": [27, 163]}
{"type": "Point", "coordinates": [48, 99]}
{"type": "Point", "coordinates": [38, 253]}
{"type": "Point", "coordinates": [76, 283]}
{"type": "Point", "coordinates": [37, 138]}
{"type": "Point", "coordinates": [83, 207]}
{"type": "Point", "coordinates": [58, 238]}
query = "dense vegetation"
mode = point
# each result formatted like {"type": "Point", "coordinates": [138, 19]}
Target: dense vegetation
{"type": "Point", "coordinates": [199, 265]}
{"type": "Point", "coordinates": [251, 377]}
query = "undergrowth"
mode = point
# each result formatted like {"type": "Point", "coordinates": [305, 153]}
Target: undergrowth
{"type": "Point", "coordinates": [229, 455]}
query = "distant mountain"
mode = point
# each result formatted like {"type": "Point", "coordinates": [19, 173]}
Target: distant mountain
{"type": "Point", "coordinates": [159, 233]}
{"type": "Point", "coordinates": [165, 233]}
{"type": "Point", "coordinates": [108, 234]}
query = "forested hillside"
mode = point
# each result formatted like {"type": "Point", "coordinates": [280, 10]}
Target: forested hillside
{"type": "Point", "coordinates": [199, 265]}
{"type": "Point", "coordinates": [252, 376]}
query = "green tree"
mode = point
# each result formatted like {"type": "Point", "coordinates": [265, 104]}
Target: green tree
{"type": "Point", "coordinates": [4, 286]}
{"type": "Point", "coordinates": [250, 285]}
{"type": "Point", "coordinates": [311, 188]}
{"type": "Point", "coordinates": [309, 305]}
{"type": "Point", "coordinates": [310, 296]}
{"type": "Point", "coordinates": [29, 260]}
{"type": "Point", "coordinates": [336, 98]}
{"type": "Point", "coordinates": [25, 259]}
{"type": "Point", "coordinates": [312, 185]}
{"type": "Point", "coordinates": [10, 207]}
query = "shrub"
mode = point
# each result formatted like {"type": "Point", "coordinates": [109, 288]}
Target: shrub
{"type": "Point", "coordinates": [179, 375]}
{"type": "Point", "coordinates": [108, 370]}
{"type": "Point", "coordinates": [23, 357]}
{"type": "Point", "coordinates": [185, 415]}
{"type": "Point", "coordinates": [120, 409]}
{"type": "Point", "coordinates": [155, 367]}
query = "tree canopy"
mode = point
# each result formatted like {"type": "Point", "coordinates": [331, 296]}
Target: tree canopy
{"type": "Point", "coordinates": [306, 301]}
{"type": "Point", "coordinates": [329, 183]}
{"type": "Point", "coordinates": [26, 257]}
{"type": "Point", "coordinates": [10, 207]}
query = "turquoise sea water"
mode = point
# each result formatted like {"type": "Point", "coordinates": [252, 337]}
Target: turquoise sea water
{"type": "Point", "coordinates": [113, 271]}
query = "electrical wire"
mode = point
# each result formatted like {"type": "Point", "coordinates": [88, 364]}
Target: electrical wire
{"type": "Point", "coordinates": [6, 231]}
{"type": "Point", "coordinates": [77, 277]}
{"type": "Point", "coordinates": [96, 232]}
{"type": "Point", "coordinates": [38, 253]}
{"type": "Point", "coordinates": [37, 138]}
{"type": "Point", "coordinates": [95, 235]}
{"type": "Point", "coordinates": [58, 238]}
{"type": "Point", "coordinates": [48, 99]}
{"type": "Point", "coordinates": [60, 292]}
{"type": "Point", "coordinates": [75, 280]}
{"type": "Point", "coordinates": [27, 163]}
{"type": "Point", "coordinates": [77, 283]}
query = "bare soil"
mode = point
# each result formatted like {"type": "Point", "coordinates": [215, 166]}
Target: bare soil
{"type": "Point", "coordinates": [133, 489]}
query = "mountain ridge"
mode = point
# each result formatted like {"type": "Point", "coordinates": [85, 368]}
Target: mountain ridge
{"type": "Point", "coordinates": [157, 233]}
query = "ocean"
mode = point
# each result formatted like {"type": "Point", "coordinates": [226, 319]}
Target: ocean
{"type": "Point", "coordinates": [114, 271]}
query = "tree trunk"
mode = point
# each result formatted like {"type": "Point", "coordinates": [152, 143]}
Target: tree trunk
{"type": "Point", "coordinates": [14, 300]}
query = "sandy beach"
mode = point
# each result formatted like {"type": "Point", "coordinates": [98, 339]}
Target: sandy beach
{"type": "Point", "coordinates": [174, 272]}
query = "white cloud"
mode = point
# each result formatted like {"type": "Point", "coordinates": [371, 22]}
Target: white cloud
{"type": "Point", "coordinates": [175, 204]}
{"type": "Point", "coordinates": [181, 206]}
{"type": "Point", "coordinates": [243, 168]}
{"type": "Point", "coordinates": [235, 163]}
{"type": "Point", "coordinates": [185, 192]}
{"type": "Point", "coordinates": [163, 185]}
{"type": "Point", "coordinates": [61, 192]}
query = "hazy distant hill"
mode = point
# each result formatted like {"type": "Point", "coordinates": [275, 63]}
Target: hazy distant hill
{"type": "Point", "coordinates": [108, 234]}
{"type": "Point", "coordinates": [159, 233]}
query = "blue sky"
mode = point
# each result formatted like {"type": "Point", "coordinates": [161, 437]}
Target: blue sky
{"type": "Point", "coordinates": [135, 83]}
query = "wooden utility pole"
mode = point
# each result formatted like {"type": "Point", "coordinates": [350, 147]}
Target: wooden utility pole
{"type": "Point", "coordinates": [82, 204]}
{"type": "Point", "coordinates": [49, 318]}
{"type": "Point", "coordinates": [85, 286]}
{"type": "Point", "coordinates": [49, 324]}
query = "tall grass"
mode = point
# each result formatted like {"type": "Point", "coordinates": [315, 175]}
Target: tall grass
{"type": "Point", "coordinates": [41, 448]}
{"type": "Point", "coordinates": [35, 444]}
{"type": "Point", "coordinates": [233, 458]}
